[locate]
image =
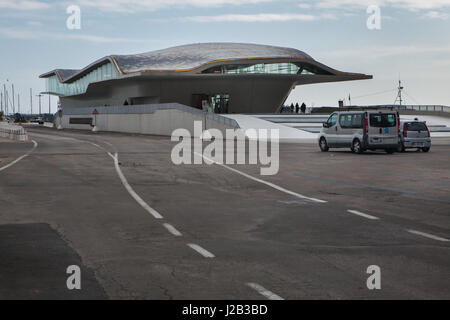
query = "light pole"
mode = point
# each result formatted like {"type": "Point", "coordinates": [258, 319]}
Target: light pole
{"type": "Point", "coordinates": [39, 95]}
{"type": "Point", "coordinates": [5, 95]}
{"type": "Point", "coordinates": [13, 99]}
{"type": "Point", "coordinates": [31, 101]}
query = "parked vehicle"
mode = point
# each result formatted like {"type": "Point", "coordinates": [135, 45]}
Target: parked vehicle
{"type": "Point", "coordinates": [361, 131]}
{"type": "Point", "coordinates": [39, 120]}
{"type": "Point", "coordinates": [414, 134]}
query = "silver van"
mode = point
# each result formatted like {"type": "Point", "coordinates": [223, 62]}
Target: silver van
{"type": "Point", "coordinates": [414, 134]}
{"type": "Point", "coordinates": [361, 131]}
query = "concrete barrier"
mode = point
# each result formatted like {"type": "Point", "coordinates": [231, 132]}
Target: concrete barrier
{"type": "Point", "coordinates": [160, 119]}
{"type": "Point", "coordinates": [13, 132]}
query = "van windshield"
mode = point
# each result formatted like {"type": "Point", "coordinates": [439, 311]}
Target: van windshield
{"type": "Point", "coordinates": [416, 126]}
{"type": "Point", "coordinates": [383, 120]}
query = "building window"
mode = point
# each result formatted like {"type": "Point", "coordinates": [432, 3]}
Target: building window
{"type": "Point", "coordinates": [79, 86]}
{"type": "Point", "coordinates": [268, 68]}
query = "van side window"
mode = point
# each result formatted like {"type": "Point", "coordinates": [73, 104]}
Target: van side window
{"type": "Point", "coordinates": [345, 121]}
{"type": "Point", "coordinates": [357, 121]}
{"type": "Point", "coordinates": [332, 120]}
{"type": "Point", "coordinates": [351, 121]}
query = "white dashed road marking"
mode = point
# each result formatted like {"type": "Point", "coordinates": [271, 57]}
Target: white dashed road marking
{"type": "Point", "coordinates": [172, 230]}
{"type": "Point", "coordinates": [274, 186]}
{"type": "Point", "coordinates": [264, 292]}
{"type": "Point", "coordinates": [35, 144]}
{"type": "Point", "coordinates": [427, 235]}
{"type": "Point", "coordinates": [358, 213]}
{"type": "Point", "coordinates": [200, 250]}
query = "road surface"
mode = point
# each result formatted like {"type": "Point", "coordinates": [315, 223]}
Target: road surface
{"type": "Point", "coordinates": [141, 227]}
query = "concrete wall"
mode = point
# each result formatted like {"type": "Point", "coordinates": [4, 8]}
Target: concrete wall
{"type": "Point", "coordinates": [248, 93]}
{"type": "Point", "coordinates": [155, 120]}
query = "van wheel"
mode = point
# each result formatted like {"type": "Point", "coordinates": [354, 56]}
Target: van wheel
{"type": "Point", "coordinates": [426, 149]}
{"type": "Point", "coordinates": [323, 145]}
{"type": "Point", "coordinates": [356, 146]}
{"type": "Point", "coordinates": [390, 151]}
{"type": "Point", "coordinates": [401, 147]}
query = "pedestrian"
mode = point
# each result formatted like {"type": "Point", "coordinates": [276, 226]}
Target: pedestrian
{"type": "Point", "coordinates": [303, 108]}
{"type": "Point", "coordinates": [292, 107]}
{"type": "Point", "coordinates": [297, 108]}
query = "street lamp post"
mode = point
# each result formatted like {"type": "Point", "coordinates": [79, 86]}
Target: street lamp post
{"type": "Point", "coordinates": [40, 112]}
{"type": "Point", "coordinates": [31, 101]}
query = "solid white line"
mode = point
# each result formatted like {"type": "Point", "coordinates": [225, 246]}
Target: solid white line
{"type": "Point", "coordinates": [96, 145]}
{"type": "Point", "coordinates": [427, 235]}
{"type": "Point", "coordinates": [35, 144]}
{"type": "Point", "coordinates": [172, 230]}
{"type": "Point", "coordinates": [130, 190]}
{"type": "Point", "coordinates": [262, 181]}
{"type": "Point", "coordinates": [264, 292]}
{"type": "Point", "coordinates": [368, 216]}
{"type": "Point", "coordinates": [200, 250]}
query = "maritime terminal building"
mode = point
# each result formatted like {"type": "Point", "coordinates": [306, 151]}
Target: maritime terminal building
{"type": "Point", "coordinates": [227, 77]}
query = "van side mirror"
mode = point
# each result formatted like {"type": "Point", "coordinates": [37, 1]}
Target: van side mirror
{"type": "Point", "coordinates": [325, 125]}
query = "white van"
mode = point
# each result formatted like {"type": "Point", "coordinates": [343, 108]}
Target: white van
{"type": "Point", "coordinates": [361, 131]}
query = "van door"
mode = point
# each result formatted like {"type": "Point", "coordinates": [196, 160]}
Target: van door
{"type": "Point", "coordinates": [350, 125]}
{"type": "Point", "coordinates": [331, 130]}
{"type": "Point", "coordinates": [383, 129]}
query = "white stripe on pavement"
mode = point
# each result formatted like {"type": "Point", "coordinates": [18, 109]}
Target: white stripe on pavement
{"type": "Point", "coordinates": [262, 181]}
{"type": "Point", "coordinates": [264, 292]}
{"type": "Point", "coordinates": [427, 235]}
{"type": "Point", "coordinates": [35, 144]}
{"type": "Point", "coordinates": [172, 230]}
{"type": "Point", "coordinates": [358, 213]}
{"type": "Point", "coordinates": [200, 250]}
{"type": "Point", "coordinates": [130, 190]}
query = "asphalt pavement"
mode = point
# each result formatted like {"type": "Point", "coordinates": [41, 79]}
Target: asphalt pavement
{"type": "Point", "coordinates": [141, 227]}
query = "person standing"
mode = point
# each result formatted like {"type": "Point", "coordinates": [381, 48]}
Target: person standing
{"type": "Point", "coordinates": [297, 108]}
{"type": "Point", "coordinates": [303, 108]}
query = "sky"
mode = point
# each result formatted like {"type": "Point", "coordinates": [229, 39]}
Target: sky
{"type": "Point", "coordinates": [412, 43]}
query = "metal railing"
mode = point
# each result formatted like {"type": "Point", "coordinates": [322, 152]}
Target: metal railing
{"type": "Point", "coordinates": [427, 108]}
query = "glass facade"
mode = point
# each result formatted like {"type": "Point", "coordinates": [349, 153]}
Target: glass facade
{"type": "Point", "coordinates": [267, 68]}
{"type": "Point", "coordinates": [79, 86]}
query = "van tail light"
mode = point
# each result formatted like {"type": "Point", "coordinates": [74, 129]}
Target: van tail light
{"type": "Point", "coordinates": [366, 125]}
{"type": "Point", "coordinates": [405, 131]}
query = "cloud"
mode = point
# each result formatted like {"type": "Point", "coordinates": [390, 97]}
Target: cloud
{"type": "Point", "coordinates": [262, 17]}
{"type": "Point", "coordinates": [382, 52]}
{"type": "Point", "coordinates": [406, 4]}
{"type": "Point", "coordinates": [23, 5]}
{"type": "Point", "coordinates": [24, 34]}
{"type": "Point", "coordinates": [436, 15]}
{"type": "Point", "coordinates": [133, 6]}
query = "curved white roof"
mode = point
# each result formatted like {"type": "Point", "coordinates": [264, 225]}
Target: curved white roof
{"type": "Point", "coordinates": [183, 58]}
{"type": "Point", "coordinates": [192, 56]}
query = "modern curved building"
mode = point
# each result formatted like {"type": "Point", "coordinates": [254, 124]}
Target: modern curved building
{"type": "Point", "coordinates": [231, 77]}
